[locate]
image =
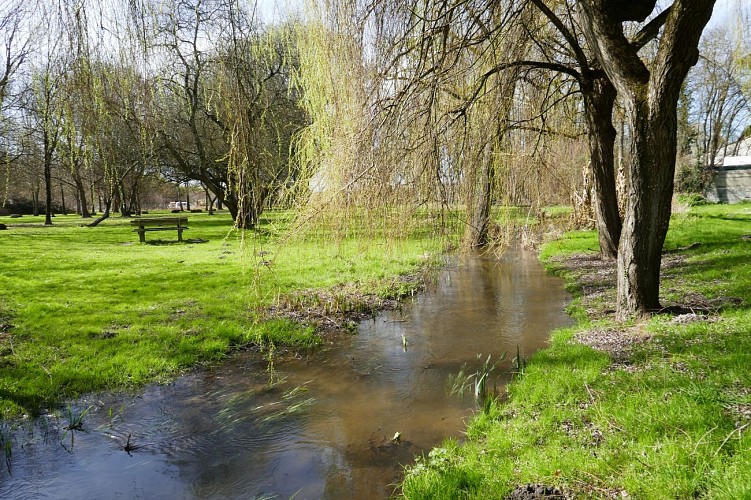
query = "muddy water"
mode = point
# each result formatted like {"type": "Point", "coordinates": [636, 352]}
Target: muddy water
{"type": "Point", "coordinates": [323, 429]}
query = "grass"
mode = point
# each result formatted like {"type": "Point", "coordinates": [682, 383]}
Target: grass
{"type": "Point", "coordinates": [671, 420]}
{"type": "Point", "coordinates": [85, 309]}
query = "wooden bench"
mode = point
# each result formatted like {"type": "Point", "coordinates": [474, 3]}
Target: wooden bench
{"type": "Point", "coordinates": [144, 224]}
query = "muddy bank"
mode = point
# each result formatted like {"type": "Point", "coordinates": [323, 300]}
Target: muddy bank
{"type": "Point", "coordinates": [339, 309]}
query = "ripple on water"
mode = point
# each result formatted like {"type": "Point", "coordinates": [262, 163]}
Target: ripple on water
{"type": "Point", "coordinates": [325, 427]}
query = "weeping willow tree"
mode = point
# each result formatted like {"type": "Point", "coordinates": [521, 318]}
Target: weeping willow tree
{"type": "Point", "coordinates": [410, 115]}
{"type": "Point", "coordinates": [258, 107]}
{"type": "Point", "coordinates": [332, 153]}
{"type": "Point", "coordinates": [106, 146]}
{"type": "Point", "coordinates": [16, 47]}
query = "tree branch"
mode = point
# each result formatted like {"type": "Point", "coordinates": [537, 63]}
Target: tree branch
{"type": "Point", "coordinates": [650, 30]}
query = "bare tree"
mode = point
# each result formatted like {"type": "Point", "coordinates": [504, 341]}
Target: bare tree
{"type": "Point", "coordinates": [16, 43]}
{"type": "Point", "coordinates": [717, 86]}
{"type": "Point", "coordinates": [44, 108]}
{"type": "Point", "coordinates": [228, 110]}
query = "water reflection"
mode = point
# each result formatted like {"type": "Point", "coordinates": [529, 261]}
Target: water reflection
{"type": "Point", "coordinates": [324, 431]}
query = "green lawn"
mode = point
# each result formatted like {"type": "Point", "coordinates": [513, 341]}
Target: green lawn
{"type": "Point", "coordinates": [84, 309]}
{"type": "Point", "coordinates": [668, 417]}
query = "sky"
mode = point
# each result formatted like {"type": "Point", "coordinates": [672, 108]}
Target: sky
{"type": "Point", "coordinates": [275, 10]}
{"type": "Point", "coordinates": [272, 11]}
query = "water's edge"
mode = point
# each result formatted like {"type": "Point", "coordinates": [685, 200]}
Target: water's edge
{"type": "Point", "coordinates": [324, 427]}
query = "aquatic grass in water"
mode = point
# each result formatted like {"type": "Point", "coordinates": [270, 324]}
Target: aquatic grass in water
{"type": "Point", "coordinates": [477, 382]}
{"type": "Point", "coordinates": [519, 363]}
{"type": "Point", "coordinates": [75, 418]}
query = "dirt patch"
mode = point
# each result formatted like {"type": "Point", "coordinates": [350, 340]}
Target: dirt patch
{"type": "Point", "coordinates": [617, 342]}
{"type": "Point", "coordinates": [340, 308]}
{"type": "Point", "coordinates": [536, 491]}
{"type": "Point", "coordinates": [596, 280]}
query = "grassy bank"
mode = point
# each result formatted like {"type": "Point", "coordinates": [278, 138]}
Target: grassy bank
{"type": "Point", "coordinates": [84, 309]}
{"type": "Point", "coordinates": [654, 409]}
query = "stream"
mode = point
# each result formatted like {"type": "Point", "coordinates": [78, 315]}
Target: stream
{"type": "Point", "coordinates": [323, 428]}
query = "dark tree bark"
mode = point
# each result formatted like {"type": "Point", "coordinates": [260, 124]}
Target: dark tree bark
{"type": "Point", "coordinates": [62, 199]}
{"type": "Point", "coordinates": [650, 96]}
{"type": "Point", "coordinates": [48, 149]}
{"type": "Point", "coordinates": [81, 196]}
{"type": "Point", "coordinates": [209, 199]}
{"type": "Point", "coordinates": [480, 201]}
{"type": "Point", "coordinates": [104, 215]}
{"type": "Point", "coordinates": [187, 195]}
{"type": "Point", "coordinates": [121, 196]}
{"type": "Point", "coordinates": [35, 202]}
{"type": "Point", "coordinates": [599, 98]}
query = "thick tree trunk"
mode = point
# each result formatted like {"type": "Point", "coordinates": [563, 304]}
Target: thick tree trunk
{"type": "Point", "coordinates": [599, 98]}
{"type": "Point", "coordinates": [653, 150]}
{"type": "Point", "coordinates": [650, 94]}
{"type": "Point", "coordinates": [81, 196]}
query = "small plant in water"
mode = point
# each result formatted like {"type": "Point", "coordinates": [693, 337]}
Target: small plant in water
{"type": "Point", "coordinates": [114, 416]}
{"type": "Point", "coordinates": [75, 420]}
{"type": "Point", "coordinates": [519, 363]}
{"type": "Point", "coordinates": [270, 364]}
{"type": "Point", "coordinates": [476, 381]}
{"type": "Point", "coordinates": [75, 423]}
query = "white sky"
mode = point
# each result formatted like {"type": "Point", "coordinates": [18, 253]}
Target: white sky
{"type": "Point", "coordinates": [276, 10]}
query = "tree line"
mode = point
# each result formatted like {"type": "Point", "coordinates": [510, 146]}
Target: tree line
{"type": "Point", "coordinates": [105, 96]}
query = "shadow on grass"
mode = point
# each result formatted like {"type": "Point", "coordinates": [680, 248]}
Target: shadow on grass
{"type": "Point", "coordinates": [30, 404]}
{"type": "Point", "coordinates": [173, 242]}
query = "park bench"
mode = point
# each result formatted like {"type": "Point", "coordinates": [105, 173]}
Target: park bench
{"type": "Point", "coordinates": [144, 224]}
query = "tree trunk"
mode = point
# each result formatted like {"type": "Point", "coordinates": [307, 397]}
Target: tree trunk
{"type": "Point", "coordinates": [104, 215]}
{"type": "Point", "coordinates": [653, 150]}
{"type": "Point", "coordinates": [81, 196]}
{"type": "Point", "coordinates": [650, 94]}
{"type": "Point", "coordinates": [480, 201]}
{"type": "Point", "coordinates": [599, 98]}
{"type": "Point", "coordinates": [209, 199]}
{"type": "Point", "coordinates": [246, 211]}
{"type": "Point", "coordinates": [35, 202]}
{"type": "Point", "coordinates": [122, 199]}
{"type": "Point", "coordinates": [62, 199]}
{"type": "Point", "coordinates": [48, 191]}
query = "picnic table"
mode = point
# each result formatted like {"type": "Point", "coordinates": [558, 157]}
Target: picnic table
{"type": "Point", "coordinates": [144, 224]}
